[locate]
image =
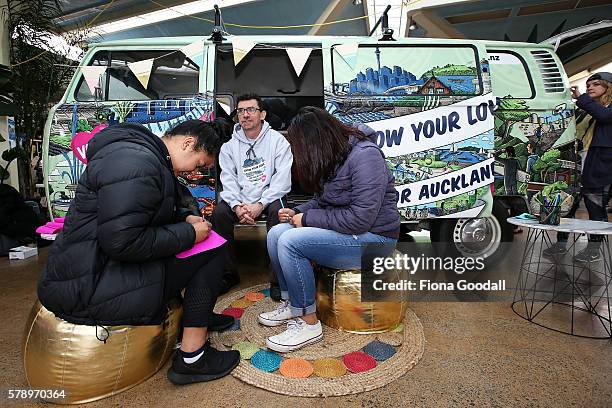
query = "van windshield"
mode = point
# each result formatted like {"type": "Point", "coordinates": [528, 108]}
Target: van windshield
{"type": "Point", "coordinates": [173, 76]}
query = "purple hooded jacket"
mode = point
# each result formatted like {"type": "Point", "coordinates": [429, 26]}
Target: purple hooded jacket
{"type": "Point", "coordinates": [360, 198]}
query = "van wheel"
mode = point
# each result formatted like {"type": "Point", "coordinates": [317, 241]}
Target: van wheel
{"type": "Point", "coordinates": [475, 237]}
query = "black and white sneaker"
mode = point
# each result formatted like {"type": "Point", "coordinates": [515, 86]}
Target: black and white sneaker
{"type": "Point", "coordinates": [213, 364]}
{"type": "Point", "coordinates": [556, 249]}
{"type": "Point", "coordinates": [298, 334]}
{"type": "Point", "coordinates": [587, 255]}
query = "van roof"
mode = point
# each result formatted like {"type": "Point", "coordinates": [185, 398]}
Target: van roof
{"type": "Point", "coordinates": [270, 39]}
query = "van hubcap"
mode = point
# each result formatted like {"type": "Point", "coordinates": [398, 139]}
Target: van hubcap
{"type": "Point", "coordinates": [477, 237]}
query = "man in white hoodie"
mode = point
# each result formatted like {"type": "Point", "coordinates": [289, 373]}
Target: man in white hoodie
{"type": "Point", "coordinates": [255, 175]}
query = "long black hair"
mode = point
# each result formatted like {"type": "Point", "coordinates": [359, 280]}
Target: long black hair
{"type": "Point", "coordinates": [320, 143]}
{"type": "Point", "coordinates": [209, 135]}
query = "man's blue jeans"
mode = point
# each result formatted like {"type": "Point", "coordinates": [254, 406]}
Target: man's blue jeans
{"type": "Point", "coordinates": [292, 249]}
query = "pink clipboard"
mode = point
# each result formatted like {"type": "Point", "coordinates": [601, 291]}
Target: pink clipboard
{"type": "Point", "coordinates": [50, 228]}
{"type": "Point", "coordinates": [213, 241]}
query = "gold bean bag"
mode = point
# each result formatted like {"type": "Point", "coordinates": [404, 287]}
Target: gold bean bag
{"type": "Point", "coordinates": [339, 303]}
{"type": "Point", "coordinates": [63, 356]}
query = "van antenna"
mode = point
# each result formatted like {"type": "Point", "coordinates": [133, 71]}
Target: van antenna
{"type": "Point", "coordinates": [217, 36]}
{"type": "Point", "coordinates": [387, 32]}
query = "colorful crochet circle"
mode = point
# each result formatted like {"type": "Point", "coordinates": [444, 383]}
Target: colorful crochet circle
{"type": "Point", "coordinates": [328, 368]}
{"type": "Point", "coordinates": [266, 292]}
{"type": "Point", "coordinates": [246, 349]}
{"type": "Point", "coordinates": [241, 303]}
{"type": "Point", "coordinates": [254, 296]}
{"type": "Point", "coordinates": [295, 368]}
{"type": "Point", "coordinates": [358, 362]}
{"type": "Point", "coordinates": [267, 361]}
{"type": "Point", "coordinates": [235, 312]}
{"type": "Point", "coordinates": [379, 350]}
{"type": "Point", "coordinates": [399, 328]}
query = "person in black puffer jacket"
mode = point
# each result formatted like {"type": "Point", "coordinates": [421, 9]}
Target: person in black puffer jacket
{"type": "Point", "coordinates": [114, 264]}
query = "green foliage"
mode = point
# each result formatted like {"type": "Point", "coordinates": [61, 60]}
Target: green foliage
{"type": "Point", "coordinates": [550, 156]}
{"type": "Point", "coordinates": [451, 69]}
{"type": "Point", "coordinates": [83, 126]}
{"type": "Point", "coordinates": [61, 140]}
{"type": "Point", "coordinates": [512, 110]}
{"type": "Point", "coordinates": [39, 77]}
{"type": "Point", "coordinates": [8, 156]}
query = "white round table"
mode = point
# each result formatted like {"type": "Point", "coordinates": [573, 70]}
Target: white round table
{"type": "Point", "coordinates": [547, 288]}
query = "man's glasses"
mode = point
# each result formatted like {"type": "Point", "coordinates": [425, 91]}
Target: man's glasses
{"type": "Point", "coordinates": [250, 110]}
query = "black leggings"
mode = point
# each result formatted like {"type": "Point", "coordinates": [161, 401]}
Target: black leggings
{"type": "Point", "coordinates": [596, 201]}
{"type": "Point", "coordinates": [200, 275]}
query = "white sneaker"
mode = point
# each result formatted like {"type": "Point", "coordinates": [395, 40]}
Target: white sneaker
{"type": "Point", "coordinates": [298, 334]}
{"type": "Point", "coordinates": [280, 315]}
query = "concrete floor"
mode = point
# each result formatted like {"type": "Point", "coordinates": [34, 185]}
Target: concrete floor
{"type": "Point", "coordinates": [476, 354]}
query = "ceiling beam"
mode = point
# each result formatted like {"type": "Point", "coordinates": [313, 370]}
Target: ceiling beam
{"type": "Point", "coordinates": [435, 26]}
{"type": "Point", "coordinates": [589, 61]}
{"type": "Point", "coordinates": [120, 9]}
{"type": "Point", "coordinates": [331, 13]}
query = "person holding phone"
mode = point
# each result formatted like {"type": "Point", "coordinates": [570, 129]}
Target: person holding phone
{"type": "Point", "coordinates": [596, 176]}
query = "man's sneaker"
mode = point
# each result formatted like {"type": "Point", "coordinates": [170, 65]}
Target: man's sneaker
{"type": "Point", "coordinates": [587, 255]}
{"type": "Point", "coordinates": [213, 364]}
{"type": "Point", "coordinates": [278, 316]}
{"type": "Point", "coordinates": [298, 334]}
{"type": "Point", "coordinates": [558, 248]}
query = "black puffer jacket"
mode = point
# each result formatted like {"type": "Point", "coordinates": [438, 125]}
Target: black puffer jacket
{"type": "Point", "coordinates": [108, 265]}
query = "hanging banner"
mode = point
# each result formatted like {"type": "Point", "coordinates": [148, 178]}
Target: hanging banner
{"type": "Point", "coordinates": [142, 70]}
{"type": "Point", "coordinates": [447, 185]}
{"type": "Point", "coordinates": [195, 52]}
{"type": "Point", "coordinates": [298, 57]}
{"type": "Point", "coordinates": [241, 47]}
{"type": "Point", "coordinates": [348, 52]}
{"type": "Point", "coordinates": [442, 126]}
{"type": "Point", "coordinates": [193, 49]}
{"type": "Point", "coordinates": [92, 76]}
{"type": "Point", "coordinates": [225, 107]}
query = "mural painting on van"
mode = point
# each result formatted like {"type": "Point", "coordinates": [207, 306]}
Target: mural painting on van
{"type": "Point", "coordinates": [432, 110]}
{"type": "Point", "coordinates": [541, 143]}
{"type": "Point", "coordinates": [74, 124]}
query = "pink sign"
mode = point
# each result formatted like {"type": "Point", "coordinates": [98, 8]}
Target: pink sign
{"type": "Point", "coordinates": [213, 241]}
{"type": "Point", "coordinates": [81, 140]}
{"type": "Point", "coordinates": [50, 228]}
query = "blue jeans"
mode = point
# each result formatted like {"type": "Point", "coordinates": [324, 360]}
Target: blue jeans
{"type": "Point", "coordinates": [292, 249]}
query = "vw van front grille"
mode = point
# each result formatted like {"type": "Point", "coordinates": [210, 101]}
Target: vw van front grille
{"type": "Point", "coordinates": [551, 76]}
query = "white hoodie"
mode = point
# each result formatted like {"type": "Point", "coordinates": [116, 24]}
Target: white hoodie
{"type": "Point", "coordinates": [257, 170]}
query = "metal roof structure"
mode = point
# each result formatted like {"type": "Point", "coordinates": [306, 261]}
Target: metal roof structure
{"type": "Point", "coordinates": [515, 20]}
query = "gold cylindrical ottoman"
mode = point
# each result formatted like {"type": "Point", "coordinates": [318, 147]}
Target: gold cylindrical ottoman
{"type": "Point", "coordinates": [339, 303]}
{"type": "Point", "coordinates": [63, 356]}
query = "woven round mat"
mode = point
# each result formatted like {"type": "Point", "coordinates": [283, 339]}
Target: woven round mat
{"type": "Point", "coordinates": [335, 345]}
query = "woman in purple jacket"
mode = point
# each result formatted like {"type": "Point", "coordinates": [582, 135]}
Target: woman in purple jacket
{"type": "Point", "coordinates": [354, 205]}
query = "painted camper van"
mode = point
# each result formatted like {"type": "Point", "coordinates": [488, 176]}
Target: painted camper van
{"type": "Point", "coordinates": [443, 111]}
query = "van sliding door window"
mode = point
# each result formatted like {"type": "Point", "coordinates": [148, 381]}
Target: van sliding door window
{"type": "Point", "coordinates": [408, 71]}
{"type": "Point", "coordinates": [509, 75]}
{"type": "Point", "coordinates": [173, 76]}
